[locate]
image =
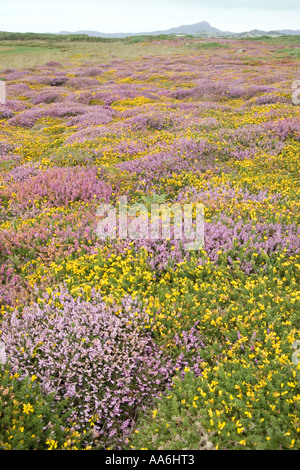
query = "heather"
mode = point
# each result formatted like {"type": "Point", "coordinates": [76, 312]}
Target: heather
{"type": "Point", "coordinates": [138, 343]}
{"type": "Point", "coordinates": [96, 356]}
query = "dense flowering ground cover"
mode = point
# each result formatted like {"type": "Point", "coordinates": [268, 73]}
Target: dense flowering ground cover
{"type": "Point", "coordinates": [132, 344]}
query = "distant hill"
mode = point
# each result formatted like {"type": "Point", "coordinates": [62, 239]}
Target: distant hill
{"type": "Point", "coordinates": [202, 28]}
{"type": "Point", "coordinates": [197, 28]}
{"type": "Point", "coordinates": [258, 32]}
{"type": "Point", "coordinates": [290, 31]}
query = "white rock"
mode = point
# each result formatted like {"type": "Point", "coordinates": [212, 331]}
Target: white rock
{"type": "Point", "coordinates": [2, 92]}
{"type": "Point", "coordinates": [3, 357]}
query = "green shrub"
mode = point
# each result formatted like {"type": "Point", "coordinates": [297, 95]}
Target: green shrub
{"type": "Point", "coordinates": [210, 45]}
{"type": "Point", "coordinates": [233, 406]}
{"type": "Point", "coordinates": [30, 420]}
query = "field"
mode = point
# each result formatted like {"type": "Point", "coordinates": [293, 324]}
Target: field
{"type": "Point", "coordinates": [140, 344]}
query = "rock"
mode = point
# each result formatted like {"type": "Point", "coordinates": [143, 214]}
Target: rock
{"type": "Point", "coordinates": [2, 92]}
{"type": "Point", "coordinates": [3, 357]}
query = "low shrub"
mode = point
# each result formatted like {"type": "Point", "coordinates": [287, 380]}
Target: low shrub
{"type": "Point", "coordinates": [32, 420]}
{"type": "Point", "coordinates": [101, 358]}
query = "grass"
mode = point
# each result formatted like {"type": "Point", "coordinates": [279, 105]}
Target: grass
{"type": "Point", "coordinates": [29, 50]}
{"type": "Point", "coordinates": [211, 45]}
{"type": "Point", "coordinates": [293, 52]}
{"type": "Point", "coordinates": [280, 40]}
{"type": "Point", "coordinates": [40, 52]}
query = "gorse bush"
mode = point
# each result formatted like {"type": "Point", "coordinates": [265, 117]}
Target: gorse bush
{"type": "Point", "coordinates": [229, 409]}
{"type": "Point", "coordinates": [33, 420]}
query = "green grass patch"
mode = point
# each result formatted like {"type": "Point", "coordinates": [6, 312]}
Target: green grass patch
{"type": "Point", "coordinates": [211, 45]}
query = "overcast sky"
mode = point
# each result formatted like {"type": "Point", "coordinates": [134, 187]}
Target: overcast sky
{"type": "Point", "coordinates": [111, 16]}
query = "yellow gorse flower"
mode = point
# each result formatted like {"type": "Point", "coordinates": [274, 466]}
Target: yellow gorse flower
{"type": "Point", "coordinates": [27, 408]}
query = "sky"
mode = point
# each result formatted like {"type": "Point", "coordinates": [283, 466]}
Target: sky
{"type": "Point", "coordinates": [111, 16]}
